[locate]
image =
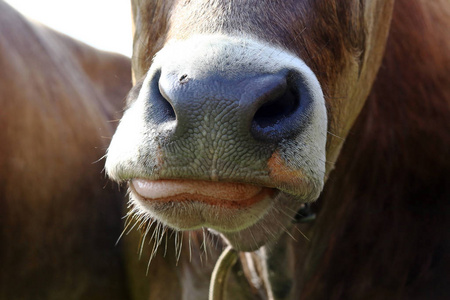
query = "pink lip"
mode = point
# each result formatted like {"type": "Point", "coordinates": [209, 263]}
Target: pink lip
{"type": "Point", "coordinates": [227, 194]}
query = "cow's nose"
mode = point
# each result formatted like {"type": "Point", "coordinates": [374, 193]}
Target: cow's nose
{"type": "Point", "coordinates": [267, 107]}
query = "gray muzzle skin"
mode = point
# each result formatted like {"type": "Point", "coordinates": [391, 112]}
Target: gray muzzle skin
{"type": "Point", "coordinates": [226, 109]}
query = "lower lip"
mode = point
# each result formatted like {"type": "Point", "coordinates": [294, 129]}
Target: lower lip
{"type": "Point", "coordinates": [225, 194]}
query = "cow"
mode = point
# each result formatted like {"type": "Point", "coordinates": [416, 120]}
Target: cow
{"type": "Point", "coordinates": [248, 118]}
{"type": "Point", "coordinates": [59, 218]}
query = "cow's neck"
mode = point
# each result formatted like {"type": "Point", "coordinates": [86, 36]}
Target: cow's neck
{"type": "Point", "coordinates": [269, 273]}
{"type": "Point", "coordinates": [275, 269]}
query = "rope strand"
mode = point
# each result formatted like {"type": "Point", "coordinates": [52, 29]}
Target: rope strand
{"type": "Point", "coordinates": [220, 273]}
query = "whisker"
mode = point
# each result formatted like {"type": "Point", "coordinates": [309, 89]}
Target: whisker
{"type": "Point", "coordinates": [141, 243]}
{"type": "Point", "coordinates": [253, 237]}
{"type": "Point", "coordinates": [301, 232]}
{"type": "Point", "coordinates": [98, 160]}
{"type": "Point", "coordinates": [190, 248]}
{"type": "Point", "coordinates": [204, 244]}
{"type": "Point", "coordinates": [161, 230]}
{"type": "Point", "coordinates": [286, 230]}
{"type": "Point", "coordinates": [178, 245]}
{"type": "Point", "coordinates": [291, 218]}
{"type": "Point", "coordinates": [216, 244]}
{"type": "Point", "coordinates": [330, 133]}
{"type": "Point", "coordinates": [166, 243]}
{"type": "Point", "coordinates": [127, 223]}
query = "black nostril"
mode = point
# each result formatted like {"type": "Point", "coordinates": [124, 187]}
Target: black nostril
{"type": "Point", "coordinates": [277, 108]}
{"type": "Point", "coordinates": [166, 107]}
{"type": "Point", "coordinates": [161, 101]}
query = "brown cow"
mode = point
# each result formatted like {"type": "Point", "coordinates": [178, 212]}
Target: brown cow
{"type": "Point", "coordinates": [59, 221]}
{"type": "Point", "coordinates": [239, 120]}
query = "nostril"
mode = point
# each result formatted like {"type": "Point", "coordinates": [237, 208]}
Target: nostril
{"type": "Point", "coordinates": [163, 101]}
{"type": "Point", "coordinates": [277, 109]}
{"type": "Point", "coordinates": [167, 108]}
{"type": "Point", "coordinates": [282, 109]}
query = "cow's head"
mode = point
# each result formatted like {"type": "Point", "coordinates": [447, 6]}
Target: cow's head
{"type": "Point", "coordinates": [240, 108]}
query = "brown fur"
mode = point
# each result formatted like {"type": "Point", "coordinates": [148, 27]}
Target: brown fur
{"type": "Point", "coordinates": [381, 231]}
{"type": "Point", "coordinates": [389, 195]}
{"type": "Point", "coordinates": [59, 220]}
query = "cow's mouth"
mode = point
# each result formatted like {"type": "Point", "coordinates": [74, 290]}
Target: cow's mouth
{"type": "Point", "coordinates": [193, 204]}
{"type": "Point", "coordinates": [224, 194]}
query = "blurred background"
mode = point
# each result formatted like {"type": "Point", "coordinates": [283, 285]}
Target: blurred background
{"type": "Point", "coordinates": [104, 24]}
